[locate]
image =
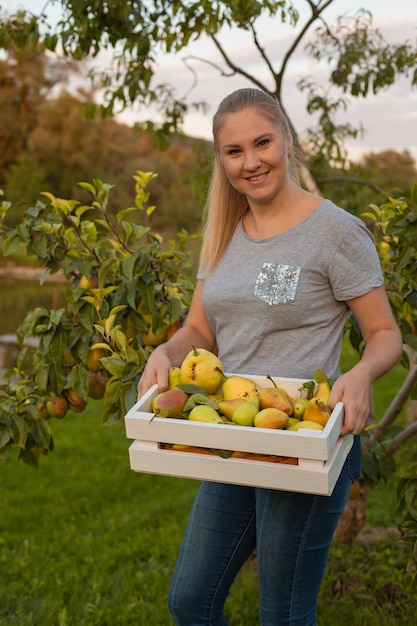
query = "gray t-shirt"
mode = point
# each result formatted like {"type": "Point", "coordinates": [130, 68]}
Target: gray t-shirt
{"type": "Point", "coordinates": [277, 305]}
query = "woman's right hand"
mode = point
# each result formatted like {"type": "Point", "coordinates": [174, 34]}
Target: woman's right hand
{"type": "Point", "coordinates": [195, 332]}
{"type": "Point", "coordinates": [155, 372]}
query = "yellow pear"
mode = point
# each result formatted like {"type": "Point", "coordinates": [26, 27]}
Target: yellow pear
{"type": "Point", "coordinates": [227, 407]}
{"type": "Point", "coordinates": [202, 368]}
{"type": "Point", "coordinates": [204, 413]}
{"type": "Point", "coordinates": [174, 377]}
{"type": "Point", "coordinates": [274, 397]}
{"type": "Point", "coordinates": [239, 387]}
{"type": "Point", "coordinates": [317, 411]}
{"type": "Point", "coordinates": [323, 389]}
{"type": "Point", "coordinates": [306, 424]}
{"type": "Point", "coordinates": [271, 417]}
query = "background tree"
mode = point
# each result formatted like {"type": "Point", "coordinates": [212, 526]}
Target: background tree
{"type": "Point", "coordinates": [61, 146]}
{"type": "Point", "coordinates": [360, 61]}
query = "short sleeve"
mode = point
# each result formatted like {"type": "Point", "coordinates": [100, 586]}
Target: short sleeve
{"type": "Point", "coordinates": [355, 268]}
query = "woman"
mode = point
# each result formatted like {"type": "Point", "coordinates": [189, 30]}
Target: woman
{"type": "Point", "coordinates": [280, 270]}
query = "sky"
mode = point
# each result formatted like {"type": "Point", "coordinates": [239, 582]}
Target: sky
{"type": "Point", "coordinates": [389, 119]}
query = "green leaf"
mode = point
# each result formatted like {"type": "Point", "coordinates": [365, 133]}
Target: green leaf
{"type": "Point", "coordinates": [190, 389]}
{"type": "Point", "coordinates": [128, 266]}
{"type": "Point", "coordinates": [129, 372]}
{"type": "Point", "coordinates": [10, 245]}
{"type": "Point", "coordinates": [224, 454]}
{"type": "Point", "coordinates": [19, 432]}
{"type": "Point", "coordinates": [5, 436]}
{"type": "Point", "coordinates": [113, 366]}
{"type": "Point", "coordinates": [88, 186]}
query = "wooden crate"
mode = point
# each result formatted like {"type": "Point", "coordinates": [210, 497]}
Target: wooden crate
{"type": "Point", "coordinates": [320, 454]}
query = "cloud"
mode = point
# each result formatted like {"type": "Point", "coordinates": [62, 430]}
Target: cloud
{"type": "Point", "coordinates": [387, 117]}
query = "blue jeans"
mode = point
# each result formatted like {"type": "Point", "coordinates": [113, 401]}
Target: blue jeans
{"type": "Point", "coordinates": [291, 532]}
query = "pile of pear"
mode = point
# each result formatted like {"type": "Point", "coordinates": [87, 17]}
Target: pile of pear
{"type": "Point", "coordinates": [200, 391]}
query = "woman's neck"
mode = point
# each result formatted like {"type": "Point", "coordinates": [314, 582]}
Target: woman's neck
{"type": "Point", "coordinates": [266, 220]}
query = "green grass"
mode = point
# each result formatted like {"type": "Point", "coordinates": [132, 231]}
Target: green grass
{"type": "Point", "coordinates": [86, 541]}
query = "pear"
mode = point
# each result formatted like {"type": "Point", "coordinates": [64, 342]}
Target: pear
{"type": "Point", "coordinates": [227, 407]}
{"type": "Point", "coordinates": [274, 397]}
{"type": "Point", "coordinates": [174, 377]}
{"type": "Point", "coordinates": [244, 414]}
{"type": "Point", "coordinates": [239, 387]}
{"type": "Point", "coordinates": [169, 403]}
{"type": "Point", "coordinates": [306, 424]}
{"type": "Point", "coordinates": [202, 368]}
{"type": "Point", "coordinates": [323, 389]}
{"type": "Point", "coordinates": [204, 413]}
{"type": "Point", "coordinates": [271, 417]}
{"type": "Point", "coordinates": [299, 406]}
{"type": "Point", "coordinates": [292, 421]}
{"type": "Point", "coordinates": [317, 412]}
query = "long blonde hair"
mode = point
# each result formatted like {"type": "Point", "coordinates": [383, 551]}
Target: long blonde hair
{"type": "Point", "coordinates": [225, 206]}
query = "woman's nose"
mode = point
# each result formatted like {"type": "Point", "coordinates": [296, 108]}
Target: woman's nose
{"type": "Point", "coordinates": [252, 161]}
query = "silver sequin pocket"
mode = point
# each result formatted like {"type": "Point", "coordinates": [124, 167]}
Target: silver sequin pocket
{"type": "Point", "coordinates": [277, 284]}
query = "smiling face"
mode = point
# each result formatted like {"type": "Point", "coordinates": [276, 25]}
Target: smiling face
{"type": "Point", "coordinates": [253, 150]}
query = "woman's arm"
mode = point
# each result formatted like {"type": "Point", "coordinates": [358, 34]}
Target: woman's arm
{"type": "Point", "coordinates": [383, 348]}
{"type": "Point", "coordinates": [195, 332]}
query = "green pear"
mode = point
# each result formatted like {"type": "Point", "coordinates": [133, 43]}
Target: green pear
{"type": "Point", "coordinates": [292, 421]}
{"type": "Point", "coordinates": [244, 414]}
{"type": "Point", "coordinates": [299, 406]}
{"type": "Point", "coordinates": [204, 413]}
{"type": "Point", "coordinates": [202, 368]}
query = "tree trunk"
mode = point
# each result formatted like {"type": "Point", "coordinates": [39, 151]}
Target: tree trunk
{"type": "Point", "coordinates": [353, 518]}
{"type": "Point", "coordinates": [411, 410]}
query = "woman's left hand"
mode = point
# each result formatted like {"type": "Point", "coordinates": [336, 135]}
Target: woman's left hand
{"type": "Point", "coordinates": [356, 394]}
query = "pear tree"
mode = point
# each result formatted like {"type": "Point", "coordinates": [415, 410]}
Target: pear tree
{"type": "Point", "coordinates": [127, 289]}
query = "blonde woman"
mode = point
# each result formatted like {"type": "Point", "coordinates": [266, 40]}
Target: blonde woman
{"type": "Point", "coordinates": [280, 270]}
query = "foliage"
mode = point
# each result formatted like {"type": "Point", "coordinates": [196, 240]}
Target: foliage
{"type": "Point", "coordinates": [127, 288]}
{"type": "Point", "coordinates": [46, 141]}
{"type": "Point", "coordinates": [357, 55]}
{"type": "Point", "coordinates": [395, 226]}
{"type": "Point", "coordinates": [407, 498]}
{"type": "Point", "coordinates": [376, 175]}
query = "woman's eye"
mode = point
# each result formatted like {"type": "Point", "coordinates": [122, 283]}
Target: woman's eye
{"type": "Point", "coordinates": [264, 142]}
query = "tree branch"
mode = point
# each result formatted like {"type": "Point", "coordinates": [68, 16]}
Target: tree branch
{"type": "Point", "coordinates": [397, 442]}
{"type": "Point", "coordinates": [316, 11]}
{"type": "Point", "coordinates": [261, 50]}
{"type": "Point", "coordinates": [395, 407]}
{"type": "Point", "coordinates": [235, 68]}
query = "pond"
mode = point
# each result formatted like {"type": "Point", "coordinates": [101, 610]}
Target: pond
{"type": "Point", "coordinates": [18, 297]}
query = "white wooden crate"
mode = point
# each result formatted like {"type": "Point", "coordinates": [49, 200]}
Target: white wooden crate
{"type": "Point", "coordinates": [320, 454]}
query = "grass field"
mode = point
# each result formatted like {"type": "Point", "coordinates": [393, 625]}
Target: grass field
{"type": "Point", "coordinates": [86, 541]}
